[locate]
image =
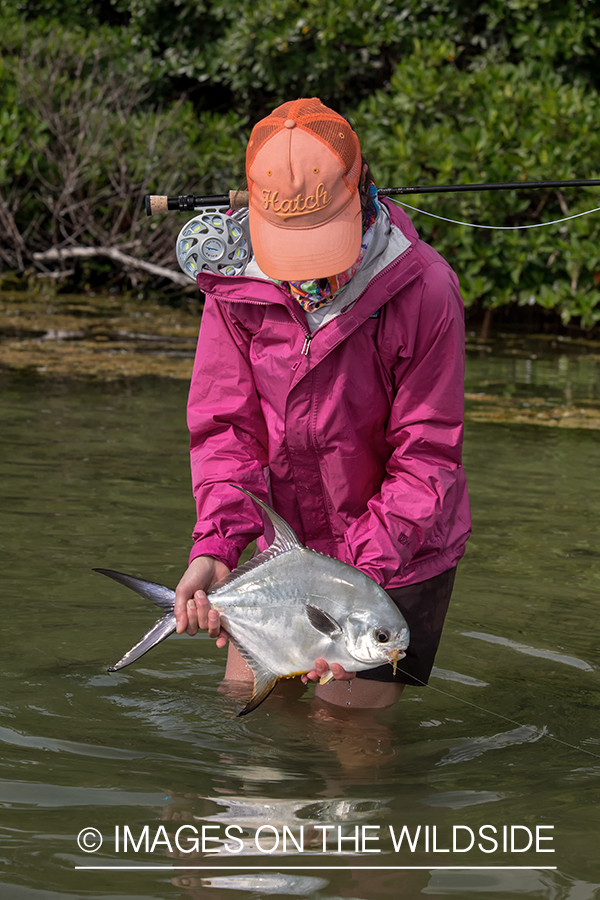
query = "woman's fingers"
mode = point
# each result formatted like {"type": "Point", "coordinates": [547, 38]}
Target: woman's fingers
{"type": "Point", "coordinates": [321, 668]}
{"type": "Point", "coordinates": [199, 576]}
{"type": "Point", "coordinates": [222, 638]}
{"type": "Point", "coordinates": [340, 674]}
{"type": "Point", "coordinates": [192, 617]}
{"type": "Point", "coordinates": [316, 673]}
{"type": "Point", "coordinates": [202, 617]}
{"type": "Point", "coordinates": [213, 620]}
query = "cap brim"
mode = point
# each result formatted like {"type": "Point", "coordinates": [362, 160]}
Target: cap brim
{"type": "Point", "coordinates": [296, 254]}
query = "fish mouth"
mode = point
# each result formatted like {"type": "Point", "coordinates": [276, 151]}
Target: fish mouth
{"type": "Point", "coordinates": [394, 656]}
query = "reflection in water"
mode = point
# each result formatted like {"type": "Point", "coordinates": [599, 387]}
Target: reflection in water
{"type": "Point", "coordinates": [88, 479]}
{"type": "Point", "coordinates": [259, 826]}
{"type": "Point", "coordinates": [358, 737]}
{"type": "Point", "coordinates": [446, 675]}
{"type": "Point", "coordinates": [263, 883]}
{"type": "Point", "coordinates": [474, 747]}
{"type": "Point", "coordinates": [254, 811]}
{"type": "Point", "coordinates": [553, 886]}
{"type": "Point", "coordinates": [462, 799]}
{"type": "Point", "coordinates": [552, 655]}
{"type": "Point", "coordinates": [276, 883]}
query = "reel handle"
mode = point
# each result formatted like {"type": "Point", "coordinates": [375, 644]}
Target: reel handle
{"type": "Point", "coordinates": [160, 203]}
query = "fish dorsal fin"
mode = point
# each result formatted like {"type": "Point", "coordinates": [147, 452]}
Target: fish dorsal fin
{"type": "Point", "coordinates": [264, 679]}
{"type": "Point", "coordinates": [157, 593]}
{"type": "Point", "coordinates": [284, 540]}
{"type": "Point", "coordinates": [323, 622]}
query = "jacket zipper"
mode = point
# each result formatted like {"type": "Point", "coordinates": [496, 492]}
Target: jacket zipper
{"type": "Point", "coordinates": [308, 336]}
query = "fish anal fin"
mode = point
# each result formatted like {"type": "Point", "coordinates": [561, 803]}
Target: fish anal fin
{"type": "Point", "coordinates": [262, 689]}
{"type": "Point", "coordinates": [264, 679]}
{"type": "Point", "coordinates": [323, 622]}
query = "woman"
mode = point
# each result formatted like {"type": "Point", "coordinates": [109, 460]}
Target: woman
{"type": "Point", "coordinates": [336, 398]}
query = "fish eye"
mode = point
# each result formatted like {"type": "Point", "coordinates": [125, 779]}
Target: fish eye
{"type": "Point", "coordinates": [382, 636]}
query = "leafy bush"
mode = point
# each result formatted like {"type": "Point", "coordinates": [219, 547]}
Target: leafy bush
{"type": "Point", "coordinates": [439, 124]}
{"type": "Point", "coordinates": [83, 144]}
{"type": "Point", "coordinates": [262, 52]}
{"type": "Point", "coordinates": [154, 96]}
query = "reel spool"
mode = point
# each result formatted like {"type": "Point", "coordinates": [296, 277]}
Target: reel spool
{"type": "Point", "coordinates": [213, 242]}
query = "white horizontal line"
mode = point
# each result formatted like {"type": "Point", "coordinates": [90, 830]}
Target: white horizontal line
{"type": "Point", "coordinates": [218, 868]}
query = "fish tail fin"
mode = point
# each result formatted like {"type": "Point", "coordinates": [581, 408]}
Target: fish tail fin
{"type": "Point", "coordinates": [157, 593]}
{"type": "Point", "coordinates": [160, 595]}
{"type": "Point", "coordinates": [161, 629]}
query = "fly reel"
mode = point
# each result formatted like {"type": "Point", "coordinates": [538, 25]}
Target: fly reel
{"type": "Point", "coordinates": [213, 242]}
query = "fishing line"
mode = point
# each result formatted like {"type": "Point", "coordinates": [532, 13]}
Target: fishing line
{"type": "Point", "coordinates": [506, 718]}
{"type": "Point", "coordinates": [496, 227]}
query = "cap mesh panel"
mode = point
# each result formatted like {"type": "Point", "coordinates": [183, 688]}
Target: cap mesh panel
{"type": "Point", "coordinates": [260, 134]}
{"type": "Point", "coordinates": [326, 124]}
{"type": "Point", "coordinates": [341, 138]}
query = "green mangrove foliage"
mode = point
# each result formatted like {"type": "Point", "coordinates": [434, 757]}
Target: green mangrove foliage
{"type": "Point", "coordinates": [438, 124]}
{"type": "Point", "coordinates": [83, 140]}
{"type": "Point", "coordinates": [102, 101]}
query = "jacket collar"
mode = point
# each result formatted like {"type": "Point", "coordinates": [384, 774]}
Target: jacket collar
{"type": "Point", "coordinates": [262, 290]}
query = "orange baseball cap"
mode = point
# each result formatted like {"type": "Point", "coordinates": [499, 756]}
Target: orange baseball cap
{"type": "Point", "coordinates": [303, 164]}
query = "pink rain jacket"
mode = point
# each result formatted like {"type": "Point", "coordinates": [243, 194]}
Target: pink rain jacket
{"type": "Point", "coordinates": [353, 434]}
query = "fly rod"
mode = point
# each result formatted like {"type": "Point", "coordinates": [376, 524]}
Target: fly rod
{"type": "Point", "coordinates": [239, 199]}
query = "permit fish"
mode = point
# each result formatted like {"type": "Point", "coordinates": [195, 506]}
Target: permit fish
{"type": "Point", "coordinates": [286, 607]}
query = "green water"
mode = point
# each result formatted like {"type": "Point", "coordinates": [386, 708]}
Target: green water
{"type": "Point", "coordinates": [101, 479]}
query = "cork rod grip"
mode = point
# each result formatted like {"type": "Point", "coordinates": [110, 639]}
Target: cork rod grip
{"type": "Point", "coordinates": [156, 203]}
{"type": "Point", "coordinates": [239, 199]}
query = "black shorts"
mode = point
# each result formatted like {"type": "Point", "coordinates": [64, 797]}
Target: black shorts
{"type": "Point", "coordinates": [424, 606]}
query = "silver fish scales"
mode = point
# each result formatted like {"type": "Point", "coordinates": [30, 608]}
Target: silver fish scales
{"type": "Point", "coordinates": [287, 607]}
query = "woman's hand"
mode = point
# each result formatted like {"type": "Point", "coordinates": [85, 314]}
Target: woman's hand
{"type": "Point", "coordinates": [321, 668]}
{"type": "Point", "coordinates": [192, 610]}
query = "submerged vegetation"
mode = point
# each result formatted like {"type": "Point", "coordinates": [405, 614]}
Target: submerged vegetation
{"type": "Point", "coordinates": [102, 102]}
{"type": "Point", "coordinates": [114, 341]}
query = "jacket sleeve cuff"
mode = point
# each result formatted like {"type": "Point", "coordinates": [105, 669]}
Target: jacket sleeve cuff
{"type": "Point", "coordinates": [227, 552]}
{"type": "Point", "coordinates": [379, 558]}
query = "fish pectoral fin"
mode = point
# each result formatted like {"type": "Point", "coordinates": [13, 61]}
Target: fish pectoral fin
{"type": "Point", "coordinates": [323, 622]}
{"type": "Point", "coordinates": [161, 629]}
{"type": "Point", "coordinates": [327, 677]}
{"type": "Point", "coordinates": [264, 679]}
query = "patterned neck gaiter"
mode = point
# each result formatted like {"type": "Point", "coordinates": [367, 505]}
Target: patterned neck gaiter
{"type": "Point", "coordinates": [313, 294]}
